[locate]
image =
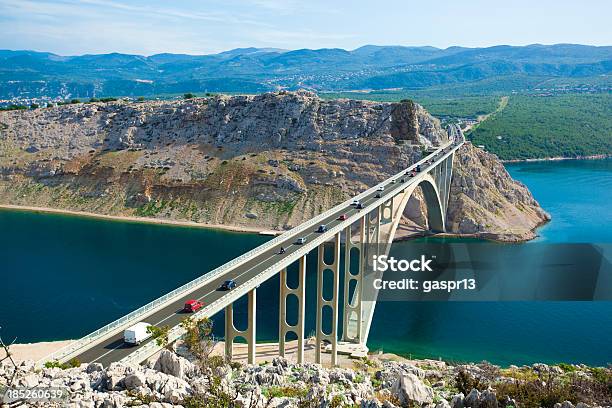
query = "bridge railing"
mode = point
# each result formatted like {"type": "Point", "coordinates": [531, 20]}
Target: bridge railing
{"type": "Point", "coordinates": [150, 348]}
{"type": "Point", "coordinates": [211, 309]}
{"type": "Point", "coordinates": [83, 343]}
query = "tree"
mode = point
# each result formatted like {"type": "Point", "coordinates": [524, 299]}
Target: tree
{"type": "Point", "coordinates": [141, 99]}
{"type": "Point", "coordinates": [189, 95]}
{"type": "Point", "coordinates": [34, 106]}
{"type": "Point", "coordinates": [75, 101]}
{"type": "Point", "coordinates": [198, 337]}
{"type": "Point", "coordinates": [160, 334]}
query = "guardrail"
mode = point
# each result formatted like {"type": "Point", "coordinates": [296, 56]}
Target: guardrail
{"type": "Point", "coordinates": [83, 343]}
{"type": "Point", "coordinates": [150, 348]}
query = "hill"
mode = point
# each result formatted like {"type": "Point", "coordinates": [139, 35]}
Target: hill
{"type": "Point", "coordinates": [535, 127]}
{"type": "Point", "coordinates": [268, 161]}
{"type": "Point", "coordinates": [29, 74]}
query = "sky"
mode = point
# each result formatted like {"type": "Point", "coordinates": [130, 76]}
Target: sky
{"type": "Point", "coordinates": [146, 27]}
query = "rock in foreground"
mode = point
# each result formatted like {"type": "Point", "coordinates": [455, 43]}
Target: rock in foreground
{"type": "Point", "coordinates": [371, 384]}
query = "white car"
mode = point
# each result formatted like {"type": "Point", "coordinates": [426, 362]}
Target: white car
{"type": "Point", "coordinates": [381, 188]}
{"type": "Point", "coordinates": [355, 202]}
{"type": "Point", "coordinates": [300, 241]}
{"type": "Point", "coordinates": [136, 334]}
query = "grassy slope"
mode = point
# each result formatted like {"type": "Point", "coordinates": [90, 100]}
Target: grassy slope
{"type": "Point", "coordinates": [549, 126]}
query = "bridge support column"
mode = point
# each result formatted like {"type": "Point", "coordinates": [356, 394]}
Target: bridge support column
{"type": "Point", "coordinates": [448, 180]}
{"type": "Point", "coordinates": [383, 208]}
{"type": "Point", "coordinates": [283, 326]}
{"type": "Point", "coordinates": [249, 334]}
{"type": "Point", "coordinates": [331, 303]}
{"type": "Point", "coordinates": [351, 322]}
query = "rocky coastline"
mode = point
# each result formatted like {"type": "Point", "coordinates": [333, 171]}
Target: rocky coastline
{"type": "Point", "coordinates": [559, 158]}
{"type": "Point", "coordinates": [171, 380]}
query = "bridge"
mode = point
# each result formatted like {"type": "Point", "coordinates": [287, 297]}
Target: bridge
{"type": "Point", "coordinates": [369, 227]}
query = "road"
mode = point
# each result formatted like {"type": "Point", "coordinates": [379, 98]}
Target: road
{"type": "Point", "coordinates": [114, 349]}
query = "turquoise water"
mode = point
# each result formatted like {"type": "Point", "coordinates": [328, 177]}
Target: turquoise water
{"type": "Point", "coordinates": [63, 277]}
{"type": "Point", "coordinates": [577, 194]}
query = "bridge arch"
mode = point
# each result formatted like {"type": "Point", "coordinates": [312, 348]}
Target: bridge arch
{"type": "Point", "coordinates": [433, 202]}
{"type": "Point", "coordinates": [435, 195]}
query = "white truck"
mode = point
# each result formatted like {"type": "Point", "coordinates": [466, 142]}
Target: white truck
{"type": "Point", "coordinates": [136, 334]}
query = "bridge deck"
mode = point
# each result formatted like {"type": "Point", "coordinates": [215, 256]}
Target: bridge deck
{"type": "Point", "coordinates": [113, 348]}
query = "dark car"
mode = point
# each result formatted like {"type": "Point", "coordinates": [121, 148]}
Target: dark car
{"type": "Point", "coordinates": [343, 217]}
{"type": "Point", "coordinates": [376, 196]}
{"type": "Point", "coordinates": [322, 228]}
{"type": "Point", "coordinates": [418, 168]}
{"type": "Point", "coordinates": [360, 206]}
{"type": "Point", "coordinates": [228, 285]}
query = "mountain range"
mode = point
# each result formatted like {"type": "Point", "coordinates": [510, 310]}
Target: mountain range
{"type": "Point", "coordinates": [32, 74]}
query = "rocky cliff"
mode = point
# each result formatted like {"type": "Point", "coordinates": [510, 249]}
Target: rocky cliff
{"type": "Point", "coordinates": [267, 161]}
{"type": "Point", "coordinates": [486, 201]}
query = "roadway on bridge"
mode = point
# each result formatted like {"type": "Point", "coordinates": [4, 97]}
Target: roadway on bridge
{"type": "Point", "coordinates": [114, 349]}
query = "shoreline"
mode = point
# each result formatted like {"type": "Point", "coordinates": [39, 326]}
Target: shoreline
{"type": "Point", "coordinates": [559, 158]}
{"type": "Point", "coordinates": [139, 220]}
{"type": "Point", "coordinates": [266, 351]}
{"type": "Point", "coordinates": [404, 234]}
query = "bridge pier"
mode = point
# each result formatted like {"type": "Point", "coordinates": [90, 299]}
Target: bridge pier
{"type": "Point", "coordinates": [283, 326]}
{"type": "Point", "coordinates": [332, 303]}
{"type": "Point", "coordinates": [248, 334]}
{"type": "Point", "coordinates": [384, 218]}
{"type": "Point", "coordinates": [448, 163]}
{"type": "Point", "coordinates": [351, 322]}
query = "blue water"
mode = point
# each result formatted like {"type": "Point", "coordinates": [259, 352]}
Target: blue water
{"type": "Point", "coordinates": [578, 195]}
{"type": "Point", "coordinates": [63, 277]}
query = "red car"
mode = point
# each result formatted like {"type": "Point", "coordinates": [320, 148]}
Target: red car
{"type": "Point", "coordinates": [343, 217]}
{"type": "Point", "coordinates": [193, 305]}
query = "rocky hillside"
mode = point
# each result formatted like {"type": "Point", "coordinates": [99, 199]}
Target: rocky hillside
{"type": "Point", "coordinates": [487, 202]}
{"type": "Point", "coordinates": [266, 161]}
{"type": "Point", "coordinates": [172, 381]}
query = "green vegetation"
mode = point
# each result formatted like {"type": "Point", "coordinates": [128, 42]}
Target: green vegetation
{"type": "Point", "coordinates": [540, 388]}
{"type": "Point", "coordinates": [72, 363]}
{"type": "Point", "coordinates": [198, 338]}
{"type": "Point", "coordinates": [568, 368]}
{"type": "Point", "coordinates": [548, 126]}
{"type": "Point", "coordinates": [286, 391]}
{"type": "Point", "coordinates": [160, 334]}
{"type": "Point", "coordinates": [152, 208]}
{"type": "Point", "coordinates": [13, 107]}
{"type": "Point", "coordinates": [189, 96]}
